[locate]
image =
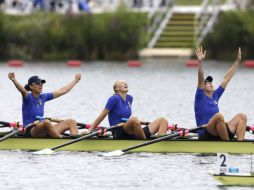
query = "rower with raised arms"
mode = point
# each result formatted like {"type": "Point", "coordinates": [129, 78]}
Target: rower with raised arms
{"type": "Point", "coordinates": [33, 106]}
{"type": "Point", "coordinates": [119, 107]}
{"type": "Point", "coordinates": [207, 109]}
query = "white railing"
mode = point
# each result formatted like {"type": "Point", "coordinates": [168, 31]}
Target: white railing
{"type": "Point", "coordinates": [159, 19]}
{"type": "Point", "coordinates": [206, 18]}
{"type": "Point", "coordinates": [158, 6]}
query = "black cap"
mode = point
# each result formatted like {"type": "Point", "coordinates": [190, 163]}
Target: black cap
{"type": "Point", "coordinates": [209, 79]}
{"type": "Point", "coordinates": [35, 79]}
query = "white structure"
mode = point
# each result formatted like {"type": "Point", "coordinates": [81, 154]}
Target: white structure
{"type": "Point", "coordinates": [95, 6]}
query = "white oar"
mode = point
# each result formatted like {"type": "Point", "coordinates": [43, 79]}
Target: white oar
{"type": "Point", "coordinates": [183, 132]}
{"type": "Point", "coordinates": [51, 150]}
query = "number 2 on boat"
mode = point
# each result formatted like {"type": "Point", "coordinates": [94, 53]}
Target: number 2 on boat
{"type": "Point", "coordinates": [222, 166]}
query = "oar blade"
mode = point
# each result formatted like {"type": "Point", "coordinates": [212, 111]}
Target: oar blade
{"type": "Point", "coordinates": [46, 151]}
{"type": "Point", "coordinates": [113, 153]}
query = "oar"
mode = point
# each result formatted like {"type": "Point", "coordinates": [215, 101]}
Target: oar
{"type": "Point", "coordinates": [87, 126]}
{"type": "Point", "coordinates": [250, 128]}
{"type": "Point", "coordinates": [51, 150]}
{"type": "Point", "coordinates": [80, 125]}
{"type": "Point", "coordinates": [177, 134]}
{"type": "Point", "coordinates": [19, 130]}
{"type": "Point", "coordinates": [9, 124]}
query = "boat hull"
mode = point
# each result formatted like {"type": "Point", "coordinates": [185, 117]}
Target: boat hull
{"type": "Point", "coordinates": [235, 180]}
{"type": "Point", "coordinates": [168, 146]}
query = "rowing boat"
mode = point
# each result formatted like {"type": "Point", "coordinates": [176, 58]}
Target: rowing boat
{"type": "Point", "coordinates": [235, 179]}
{"type": "Point", "coordinates": [109, 144]}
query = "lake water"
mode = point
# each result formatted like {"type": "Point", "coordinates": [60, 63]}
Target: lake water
{"type": "Point", "coordinates": [160, 88]}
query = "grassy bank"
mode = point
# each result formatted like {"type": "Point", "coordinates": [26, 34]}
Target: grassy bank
{"type": "Point", "coordinates": [112, 36]}
{"type": "Point", "coordinates": [232, 30]}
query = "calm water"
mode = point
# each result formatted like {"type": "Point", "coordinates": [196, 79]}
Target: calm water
{"type": "Point", "coordinates": [159, 89]}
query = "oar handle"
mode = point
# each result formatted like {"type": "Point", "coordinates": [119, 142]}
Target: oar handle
{"type": "Point", "coordinates": [9, 124]}
{"type": "Point", "coordinates": [250, 128]}
{"type": "Point", "coordinates": [20, 129]}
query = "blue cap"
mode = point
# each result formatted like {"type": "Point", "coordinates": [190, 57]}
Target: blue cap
{"type": "Point", "coordinates": [209, 79]}
{"type": "Point", "coordinates": [35, 79]}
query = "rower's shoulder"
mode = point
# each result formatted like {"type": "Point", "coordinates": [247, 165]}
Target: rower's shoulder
{"type": "Point", "coordinates": [130, 96]}
{"type": "Point", "coordinates": [115, 97]}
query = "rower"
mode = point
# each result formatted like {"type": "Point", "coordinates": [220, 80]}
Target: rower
{"type": "Point", "coordinates": [33, 106]}
{"type": "Point", "coordinates": [207, 109]}
{"type": "Point", "coordinates": [118, 107]}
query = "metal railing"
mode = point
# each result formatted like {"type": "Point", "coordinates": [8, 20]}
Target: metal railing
{"type": "Point", "coordinates": [159, 19]}
{"type": "Point", "coordinates": [206, 19]}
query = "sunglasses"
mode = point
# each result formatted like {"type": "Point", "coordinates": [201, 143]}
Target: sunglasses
{"type": "Point", "coordinates": [38, 83]}
{"type": "Point", "coordinates": [208, 82]}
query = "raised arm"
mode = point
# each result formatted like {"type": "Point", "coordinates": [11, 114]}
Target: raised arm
{"type": "Point", "coordinates": [200, 56]}
{"type": "Point", "coordinates": [99, 119]}
{"type": "Point", "coordinates": [67, 88]}
{"type": "Point", "coordinates": [20, 88]}
{"type": "Point", "coordinates": [230, 73]}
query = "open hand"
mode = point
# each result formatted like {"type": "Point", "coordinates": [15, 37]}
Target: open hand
{"type": "Point", "coordinates": [200, 54]}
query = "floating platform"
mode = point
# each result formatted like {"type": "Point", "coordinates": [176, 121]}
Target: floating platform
{"type": "Point", "coordinates": [166, 52]}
